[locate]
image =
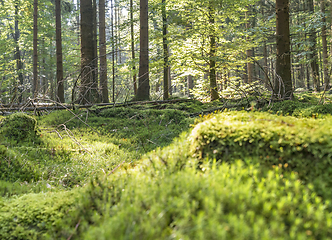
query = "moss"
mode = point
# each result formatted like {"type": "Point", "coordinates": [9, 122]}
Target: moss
{"type": "Point", "coordinates": [32, 216]}
{"type": "Point", "coordinates": [303, 145]}
{"type": "Point", "coordinates": [19, 127]}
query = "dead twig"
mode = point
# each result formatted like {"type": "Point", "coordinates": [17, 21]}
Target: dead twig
{"type": "Point", "coordinates": [76, 227]}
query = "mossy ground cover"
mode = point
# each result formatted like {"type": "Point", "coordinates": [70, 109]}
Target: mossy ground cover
{"type": "Point", "coordinates": [123, 173]}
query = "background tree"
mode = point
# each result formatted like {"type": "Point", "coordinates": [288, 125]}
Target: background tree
{"type": "Point", "coordinates": [283, 84]}
{"type": "Point", "coordinates": [35, 48]}
{"type": "Point", "coordinates": [59, 65]}
{"type": "Point", "coordinates": [88, 85]}
{"type": "Point", "coordinates": [165, 50]}
{"type": "Point", "coordinates": [102, 52]}
{"type": "Point", "coordinates": [143, 90]}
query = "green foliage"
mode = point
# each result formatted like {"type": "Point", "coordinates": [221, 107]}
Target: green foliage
{"type": "Point", "coordinates": [19, 127]}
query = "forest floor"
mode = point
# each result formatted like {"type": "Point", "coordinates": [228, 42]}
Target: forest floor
{"type": "Point", "coordinates": [186, 170]}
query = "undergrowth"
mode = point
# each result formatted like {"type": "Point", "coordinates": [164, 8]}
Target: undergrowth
{"type": "Point", "coordinates": [141, 172]}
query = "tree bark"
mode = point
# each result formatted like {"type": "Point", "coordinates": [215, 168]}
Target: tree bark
{"type": "Point", "coordinates": [143, 91]}
{"type": "Point", "coordinates": [113, 51]}
{"type": "Point", "coordinates": [59, 64]}
{"type": "Point", "coordinates": [250, 54]}
{"type": "Point", "coordinates": [313, 52]}
{"type": "Point", "coordinates": [190, 84]}
{"type": "Point", "coordinates": [133, 46]}
{"type": "Point", "coordinates": [95, 52]}
{"type": "Point", "coordinates": [324, 43]}
{"type": "Point", "coordinates": [35, 48]}
{"type": "Point", "coordinates": [212, 63]}
{"type": "Point", "coordinates": [283, 84]}
{"type": "Point", "coordinates": [19, 64]}
{"type": "Point", "coordinates": [88, 86]}
{"type": "Point", "coordinates": [102, 53]}
{"type": "Point", "coordinates": [165, 48]}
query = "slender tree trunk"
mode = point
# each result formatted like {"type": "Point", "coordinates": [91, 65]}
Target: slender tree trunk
{"type": "Point", "coordinates": [119, 32]}
{"type": "Point", "coordinates": [116, 30]}
{"type": "Point", "coordinates": [44, 79]}
{"type": "Point", "coordinates": [170, 88]}
{"type": "Point", "coordinates": [283, 86]}
{"type": "Point", "coordinates": [133, 46]}
{"type": "Point", "coordinates": [250, 65]}
{"type": "Point", "coordinates": [212, 64]}
{"type": "Point", "coordinates": [190, 84]}
{"type": "Point", "coordinates": [59, 65]}
{"type": "Point", "coordinates": [113, 51]}
{"type": "Point", "coordinates": [313, 51]}
{"type": "Point", "coordinates": [143, 91]}
{"type": "Point", "coordinates": [165, 48]}
{"type": "Point", "coordinates": [35, 48]}
{"type": "Point", "coordinates": [102, 52]}
{"type": "Point", "coordinates": [266, 69]}
{"type": "Point", "coordinates": [324, 43]}
{"type": "Point", "coordinates": [19, 65]}
{"type": "Point", "coordinates": [95, 52]}
{"type": "Point", "coordinates": [78, 22]}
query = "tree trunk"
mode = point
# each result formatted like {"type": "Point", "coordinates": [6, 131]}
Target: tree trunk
{"type": "Point", "coordinates": [19, 65]}
{"type": "Point", "coordinates": [102, 53]}
{"type": "Point", "coordinates": [313, 51]}
{"type": "Point", "coordinates": [212, 63]}
{"type": "Point", "coordinates": [95, 52]}
{"type": "Point", "coordinates": [250, 54]}
{"type": "Point", "coordinates": [165, 48]}
{"type": "Point", "coordinates": [133, 46]}
{"type": "Point", "coordinates": [283, 83]}
{"type": "Point", "coordinates": [113, 51]}
{"type": "Point", "coordinates": [87, 53]}
{"type": "Point", "coordinates": [59, 65]}
{"type": "Point", "coordinates": [190, 84]}
{"type": "Point", "coordinates": [35, 48]}
{"type": "Point", "coordinates": [170, 88]}
{"type": "Point", "coordinates": [266, 69]}
{"type": "Point", "coordinates": [324, 43]}
{"type": "Point", "coordinates": [143, 91]}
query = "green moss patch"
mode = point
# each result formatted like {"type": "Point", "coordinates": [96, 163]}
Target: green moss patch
{"type": "Point", "coordinates": [32, 216]}
{"type": "Point", "coordinates": [19, 127]}
{"type": "Point", "coordinates": [301, 145]}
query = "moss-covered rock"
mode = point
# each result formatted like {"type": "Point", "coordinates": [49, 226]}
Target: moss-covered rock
{"type": "Point", "coordinates": [19, 127]}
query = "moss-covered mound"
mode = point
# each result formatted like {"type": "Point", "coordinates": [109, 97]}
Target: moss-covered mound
{"type": "Point", "coordinates": [31, 216]}
{"type": "Point", "coordinates": [19, 127]}
{"type": "Point", "coordinates": [301, 145]}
